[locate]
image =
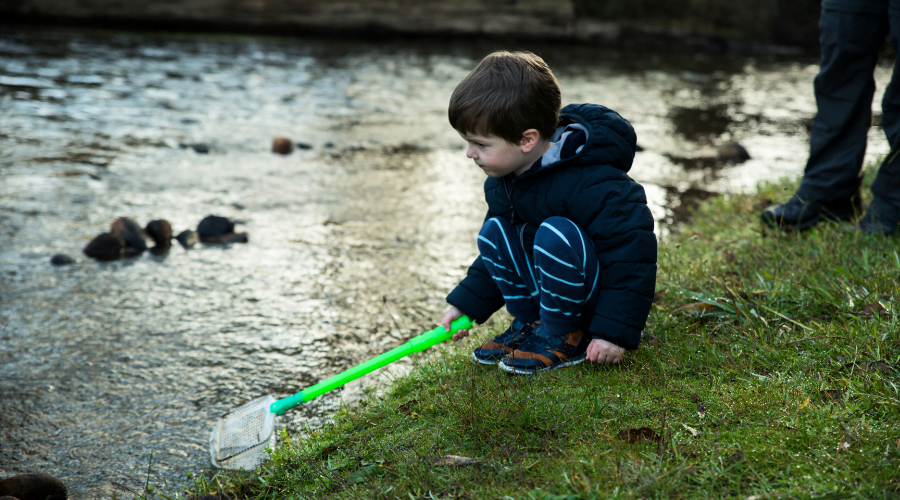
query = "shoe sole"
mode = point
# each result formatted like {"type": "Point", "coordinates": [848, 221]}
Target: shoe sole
{"type": "Point", "coordinates": [773, 222]}
{"type": "Point", "coordinates": [485, 361]}
{"type": "Point", "coordinates": [522, 371]}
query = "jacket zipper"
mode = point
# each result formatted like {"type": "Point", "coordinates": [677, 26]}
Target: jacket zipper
{"type": "Point", "coordinates": [519, 228]}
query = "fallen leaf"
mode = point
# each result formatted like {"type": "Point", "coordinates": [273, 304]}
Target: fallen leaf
{"type": "Point", "coordinates": [695, 397]}
{"type": "Point", "coordinates": [698, 308]}
{"type": "Point", "coordinates": [833, 395]}
{"type": "Point", "coordinates": [658, 295]}
{"type": "Point", "coordinates": [879, 366]}
{"type": "Point", "coordinates": [454, 460]}
{"type": "Point", "coordinates": [735, 457]}
{"type": "Point", "coordinates": [694, 432]}
{"type": "Point", "coordinates": [701, 410]}
{"type": "Point", "coordinates": [844, 443]}
{"type": "Point", "coordinates": [872, 366]}
{"type": "Point", "coordinates": [361, 475]}
{"type": "Point", "coordinates": [405, 407]}
{"type": "Point", "coordinates": [875, 309]}
{"type": "Point", "coordinates": [637, 435]}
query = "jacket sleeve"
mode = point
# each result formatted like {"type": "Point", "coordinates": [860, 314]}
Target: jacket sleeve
{"type": "Point", "coordinates": [477, 295]}
{"type": "Point", "coordinates": [615, 215]}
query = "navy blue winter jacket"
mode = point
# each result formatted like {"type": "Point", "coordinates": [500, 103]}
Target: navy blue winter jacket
{"type": "Point", "coordinates": [592, 189]}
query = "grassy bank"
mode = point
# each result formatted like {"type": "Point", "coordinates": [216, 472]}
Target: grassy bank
{"type": "Point", "coordinates": [769, 369]}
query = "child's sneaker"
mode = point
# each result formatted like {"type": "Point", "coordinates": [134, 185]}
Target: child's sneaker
{"type": "Point", "coordinates": [493, 350]}
{"type": "Point", "coordinates": [542, 351]}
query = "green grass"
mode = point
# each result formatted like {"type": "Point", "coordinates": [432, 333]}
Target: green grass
{"type": "Point", "coordinates": [786, 384]}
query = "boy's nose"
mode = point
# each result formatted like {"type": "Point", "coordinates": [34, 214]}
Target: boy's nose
{"type": "Point", "coordinates": [470, 152]}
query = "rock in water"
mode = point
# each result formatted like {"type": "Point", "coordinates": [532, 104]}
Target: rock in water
{"type": "Point", "coordinates": [104, 246]}
{"type": "Point", "coordinates": [212, 226]}
{"type": "Point", "coordinates": [34, 487]}
{"type": "Point", "coordinates": [160, 231]}
{"type": "Point", "coordinates": [130, 233]}
{"type": "Point", "coordinates": [732, 153]}
{"type": "Point", "coordinates": [61, 260]}
{"type": "Point", "coordinates": [282, 145]}
{"type": "Point", "coordinates": [228, 238]}
{"type": "Point", "coordinates": [187, 238]}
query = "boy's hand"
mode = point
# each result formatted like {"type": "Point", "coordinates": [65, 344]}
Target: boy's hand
{"type": "Point", "coordinates": [451, 315]}
{"type": "Point", "coordinates": [601, 351]}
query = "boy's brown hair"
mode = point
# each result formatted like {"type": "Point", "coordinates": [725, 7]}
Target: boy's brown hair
{"type": "Point", "coordinates": [505, 95]}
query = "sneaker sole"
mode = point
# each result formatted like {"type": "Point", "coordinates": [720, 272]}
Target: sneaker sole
{"type": "Point", "coordinates": [522, 371]}
{"type": "Point", "coordinates": [485, 361]}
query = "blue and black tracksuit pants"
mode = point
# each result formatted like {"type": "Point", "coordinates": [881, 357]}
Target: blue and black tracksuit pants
{"type": "Point", "coordinates": [557, 283]}
{"type": "Point", "coordinates": [851, 33]}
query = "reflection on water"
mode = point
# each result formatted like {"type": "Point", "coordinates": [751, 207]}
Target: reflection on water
{"type": "Point", "coordinates": [353, 243]}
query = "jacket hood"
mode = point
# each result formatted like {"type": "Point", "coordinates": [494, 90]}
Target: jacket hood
{"type": "Point", "coordinates": [610, 138]}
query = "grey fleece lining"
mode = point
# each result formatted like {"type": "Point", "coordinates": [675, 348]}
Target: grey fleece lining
{"type": "Point", "coordinates": [559, 138]}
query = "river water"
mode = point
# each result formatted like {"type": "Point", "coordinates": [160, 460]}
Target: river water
{"type": "Point", "coordinates": [353, 242]}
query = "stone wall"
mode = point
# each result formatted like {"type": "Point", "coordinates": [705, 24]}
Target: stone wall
{"type": "Point", "coordinates": [702, 24]}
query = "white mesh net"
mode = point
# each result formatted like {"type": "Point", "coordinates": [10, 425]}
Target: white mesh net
{"type": "Point", "coordinates": [242, 435]}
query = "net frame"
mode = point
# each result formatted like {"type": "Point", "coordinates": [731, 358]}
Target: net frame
{"type": "Point", "coordinates": [241, 436]}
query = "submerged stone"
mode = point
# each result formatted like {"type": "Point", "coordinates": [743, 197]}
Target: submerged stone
{"type": "Point", "coordinates": [228, 238]}
{"type": "Point", "coordinates": [187, 238]}
{"type": "Point", "coordinates": [160, 231]}
{"type": "Point", "coordinates": [130, 233]}
{"type": "Point", "coordinates": [61, 260]}
{"type": "Point", "coordinates": [213, 225]}
{"type": "Point", "coordinates": [104, 246]}
{"type": "Point", "coordinates": [733, 153]}
{"type": "Point", "coordinates": [282, 145]}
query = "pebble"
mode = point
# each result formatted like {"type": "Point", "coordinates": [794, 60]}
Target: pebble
{"type": "Point", "coordinates": [104, 246]}
{"type": "Point", "coordinates": [282, 145]}
{"type": "Point", "coordinates": [130, 233]}
{"type": "Point", "coordinates": [61, 260]}
{"type": "Point", "coordinates": [213, 225]}
{"type": "Point", "coordinates": [187, 238]}
{"type": "Point", "coordinates": [160, 231]}
{"type": "Point", "coordinates": [732, 153]}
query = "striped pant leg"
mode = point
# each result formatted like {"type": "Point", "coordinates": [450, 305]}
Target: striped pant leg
{"type": "Point", "coordinates": [568, 274]}
{"type": "Point", "coordinates": [505, 259]}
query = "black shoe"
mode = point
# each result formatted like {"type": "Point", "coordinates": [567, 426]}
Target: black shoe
{"type": "Point", "coordinates": [799, 215]}
{"type": "Point", "coordinates": [880, 218]}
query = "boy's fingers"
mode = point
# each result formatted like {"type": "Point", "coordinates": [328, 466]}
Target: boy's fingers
{"type": "Point", "coordinates": [460, 335]}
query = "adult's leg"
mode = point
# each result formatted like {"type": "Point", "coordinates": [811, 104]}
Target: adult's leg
{"type": "Point", "coordinates": [883, 213]}
{"type": "Point", "coordinates": [844, 88]}
{"type": "Point", "coordinates": [850, 33]}
{"type": "Point", "coordinates": [504, 257]}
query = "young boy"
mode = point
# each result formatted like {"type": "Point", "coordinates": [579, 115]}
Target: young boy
{"type": "Point", "coordinates": [568, 241]}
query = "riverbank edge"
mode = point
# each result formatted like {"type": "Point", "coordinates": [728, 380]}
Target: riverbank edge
{"type": "Point", "coordinates": [769, 367]}
{"type": "Point", "coordinates": [510, 29]}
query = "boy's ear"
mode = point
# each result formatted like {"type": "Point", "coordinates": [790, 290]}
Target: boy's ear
{"type": "Point", "coordinates": [530, 139]}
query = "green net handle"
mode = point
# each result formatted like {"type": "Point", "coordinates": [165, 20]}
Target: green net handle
{"type": "Point", "coordinates": [416, 344]}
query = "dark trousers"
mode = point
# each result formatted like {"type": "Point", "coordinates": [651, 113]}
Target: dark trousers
{"type": "Point", "coordinates": [850, 34]}
{"type": "Point", "coordinates": [556, 284]}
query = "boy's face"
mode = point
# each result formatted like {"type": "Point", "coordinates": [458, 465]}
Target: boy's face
{"type": "Point", "coordinates": [495, 156]}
